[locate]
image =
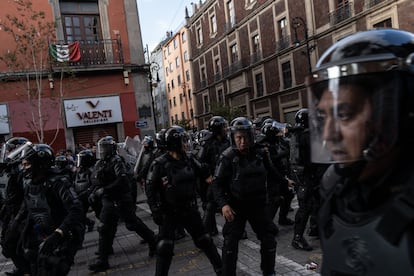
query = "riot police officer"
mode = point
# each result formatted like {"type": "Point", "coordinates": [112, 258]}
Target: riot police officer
{"type": "Point", "coordinates": [114, 192]}
{"type": "Point", "coordinates": [279, 154]}
{"type": "Point", "coordinates": [11, 197]}
{"type": "Point", "coordinates": [82, 183]}
{"type": "Point", "coordinates": [308, 176]}
{"type": "Point", "coordinates": [171, 192]}
{"type": "Point", "coordinates": [241, 191]}
{"type": "Point", "coordinates": [361, 115]}
{"type": "Point", "coordinates": [211, 146]}
{"type": "Point", "coordinates": [53, 227]}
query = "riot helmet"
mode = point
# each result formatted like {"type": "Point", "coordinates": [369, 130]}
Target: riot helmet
{"type": "Point", "coordinates": [40, 156]}
{"type": "Point", "coordinates": [160, 138]}
{"type": "Point", "coordinates": [176, 139]}
{"type": "Point", "coordinates": [361, 97]}
{"type": "Point", "coordinates": [217, 125]}
{"type": "Point", "coordinates": [148, 142]}
{"type": "Point", "coordinates": [12, 145]}
{"type": "Point", "coordinates": [85, 159]}
{"type": "Point", "coordinates": [271, 131]}
{"type": "Point", "coordinates": [241, 126]}
{"type": "Point", "coordinates": [61, 162]}
{"type": "Point", "coordinates": [106, 148]}
{"type": "Point", "coordinates": [301, 118]}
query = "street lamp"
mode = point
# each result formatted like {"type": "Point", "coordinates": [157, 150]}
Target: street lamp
{"type": "Point", "coordinates": [296, 23]}
{"type": "Point", "coordinates": [153, 67]}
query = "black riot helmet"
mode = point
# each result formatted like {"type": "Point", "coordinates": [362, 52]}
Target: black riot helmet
{"type": "Point", "coordinates": [176, 138]}
{"type": "Point", "coordinates": [106, 148]}
{"type": "Point", "coordinates": [302, 117]}
{"type": "Point", "coordinates": [244, 125]}
{"type": "Point", "coordinates": [271, 132]}
{"type": "Point", "coordinates": [41, 156]}
{"type": "Point", "coordinates": [85, 159]}
{"type": "Point", "coordinates": [148, 142]}
{"type": "Point", "coordinates": [217, 125]}
{"type": "Point", "coordinates": [160, 138]}
{"type": "Point", "coordinates": [369, 76]}
{"type": "Point", "coordinates": [11, 145]}
{"type": "Point", "coordinates": [61, 161]}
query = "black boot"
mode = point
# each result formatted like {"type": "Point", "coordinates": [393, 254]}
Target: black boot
{"type": "Point", "coordinates": [100, 264]}
{"type": "Point", "coordinates": [299, 242]}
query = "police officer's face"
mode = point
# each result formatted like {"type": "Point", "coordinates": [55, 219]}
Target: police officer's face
{"type": "Point", "coordinates": [345, 121]}
{"type": "Point", "coordinates": [242, 140]}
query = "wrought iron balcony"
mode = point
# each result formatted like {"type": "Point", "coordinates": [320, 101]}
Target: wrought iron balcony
{"type": "Point", "coordinates": [91, 55]}
{"type": "Point", "coordinates": [342, 13]}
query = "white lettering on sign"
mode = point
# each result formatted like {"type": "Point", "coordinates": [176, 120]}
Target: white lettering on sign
{"type": "Point", "coordinates": [93, 111]}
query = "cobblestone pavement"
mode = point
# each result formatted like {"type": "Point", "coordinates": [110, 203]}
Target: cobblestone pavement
{"type": "Point", "coordinates": [131, 257]}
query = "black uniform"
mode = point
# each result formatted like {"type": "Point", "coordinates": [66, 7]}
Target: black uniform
{"type": "Point", "coordinates": [51, 205]}
{"type": "Point", "coordinates": [241, 182]}
{"type": "Point", "coordinates": [171, 192]}
{"type": "Point", "coordinates": [114, 192]}
{"type": "Point", "coordinates": [210, 149]}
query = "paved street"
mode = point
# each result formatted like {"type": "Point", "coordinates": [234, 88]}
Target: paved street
{"type": "Point", "coordinates": [131, 257]}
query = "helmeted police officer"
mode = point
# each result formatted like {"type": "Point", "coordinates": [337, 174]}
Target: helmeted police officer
{"type": "Point", "coordinates": [11, 198]}
{"type": "Point", "coordinates": [171, 192]}
{"type": "Point", "coordinates": [241, 191]}
{"type": "Point", "coordinates": [114, 192]}
{"type": "Point", "coordinates": [361, 120]}
{"type": "Point", "coordinates": [53, 227]}
{"type": "Point", "coordinates": [211, 146]}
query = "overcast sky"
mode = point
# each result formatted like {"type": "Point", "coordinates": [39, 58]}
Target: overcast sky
{"type": "Point", "coordinates": [159, 16]}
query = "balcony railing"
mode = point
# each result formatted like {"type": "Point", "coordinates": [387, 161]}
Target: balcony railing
{"type": "Point", "coordinates": [283, 43]}
{"type": "Point", "coordinates": [372, 3]}
{"type": "Point", "coordinates": [342, 13]}
{"type": "Point", "coordinates": [93, 54]}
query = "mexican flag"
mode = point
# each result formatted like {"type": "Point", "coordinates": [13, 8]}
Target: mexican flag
{"type": "Point", "coordinates": [65, 52]}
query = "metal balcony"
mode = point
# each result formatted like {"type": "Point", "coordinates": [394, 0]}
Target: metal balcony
{"type": "Point", "coordinates": [342, 13]}
{"type": "Point", "coordinates": [94, 55]}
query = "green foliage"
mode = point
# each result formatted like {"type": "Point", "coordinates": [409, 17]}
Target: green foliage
{"type": "Point", "coordinates": [226, 111]}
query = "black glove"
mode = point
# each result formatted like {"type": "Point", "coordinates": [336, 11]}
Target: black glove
{"type": "Point", "coordinates": [50, 243]}
{"type": "Point", "coordinates": [158, 217]}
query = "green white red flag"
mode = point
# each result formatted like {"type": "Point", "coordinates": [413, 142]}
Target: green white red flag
{"type": "Point", "coordinates": [65, 52]}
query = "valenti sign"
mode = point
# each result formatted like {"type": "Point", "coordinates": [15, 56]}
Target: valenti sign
{"type": "Point", "coordinates": [92, 111]}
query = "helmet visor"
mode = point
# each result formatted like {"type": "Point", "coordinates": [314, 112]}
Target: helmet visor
{"type": "Point", "coordinates": [353, 118]}
{"type": "Point", "coordinates": [104, 150]}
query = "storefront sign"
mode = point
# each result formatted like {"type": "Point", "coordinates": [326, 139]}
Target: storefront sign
{"type": "Point", "coordinates": [4, 120]}
{"type": "Point", "coordinates": [92, 111]}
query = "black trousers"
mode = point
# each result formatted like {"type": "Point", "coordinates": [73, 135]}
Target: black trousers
{"type": "Point", "coordinates": [257, 214]}
{"type": "Point", "coordinates": [190, 218]}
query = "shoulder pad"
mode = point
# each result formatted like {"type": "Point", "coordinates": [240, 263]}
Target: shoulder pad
{"type": "Point", "coordinates": [261, 139]}
{"type": "Point", "coordinates": [228, 153]}
{"type": "Point", "coordinates": [207, 137]}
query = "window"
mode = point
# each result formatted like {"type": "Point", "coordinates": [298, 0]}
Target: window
{"type": "Point", "coordinates": [203, 74]}
{"type": "Point", "coordinates": [189, 94]}
{"type": "Point", "coordinates": [255, 44]}
{"type": "Point", "coordinates": [213, 24]}
{"type": "Point", "coordinates": [259, 84]}
{"type": "Point", "coordinates": [199, 36]}
{"type": "Point", "coordinates": [387, 23]}
{"type": "Point", "coordinates": [182, 116]}
{"type": "Point", "coordinates": [172, 120]}
{"type": "Point", "coordinates": [220, 96]}
{"type": "Point", "coordinates": [181, 98]}
{"type": "Point", "coordinates": [206, 104]}
{"type": "Point", "coordinates": [177, 62]}
{"type": "Point", "coordinates": [192, 113]}
{"type": "Point", "coordinates": [168, 87]}
{"type": "Point", "coordinates": [166, 71]}
{"type": "Point", "coordinates": [179, 80]}
{"type": "Point", "coordinates": [186, 56]}
{"type": "Point", "coordinates": [234, 53]}
{"type": "Point", "coordinates": [81, 21]}
{"type": "Point", "coordinates": [183, 37]}
{"type": "Point", "coordinates": [287, 75]}
{"type": "Point", "coordinates": [171, 67]}
{"type": "Point", "coordinates": [168, 49]}
{"type": "Point", "coordinates": [170, 104]}
{"type": "Point", "coordinates": [175, 43]}
{"type": "Point", "coordinates": [176, 118]}
{"type": "Point", "coordinates": [217, 65]}
{"type": "Point", "coordinates": [284, 40]}
{"type": "Point", "coordinates": [172, 84]}
{"type": "Point", "coordinates": [230, 12]}
{"type": "Point", "coordinates": [174, 101]}
{"type": "Point", "coordinates": [187, 75]}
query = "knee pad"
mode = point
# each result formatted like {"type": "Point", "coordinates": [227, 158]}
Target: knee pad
{"type": "Point", "coordinates": [165, 247]}
{"type": "Point", "coordinates": [203, 241]}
